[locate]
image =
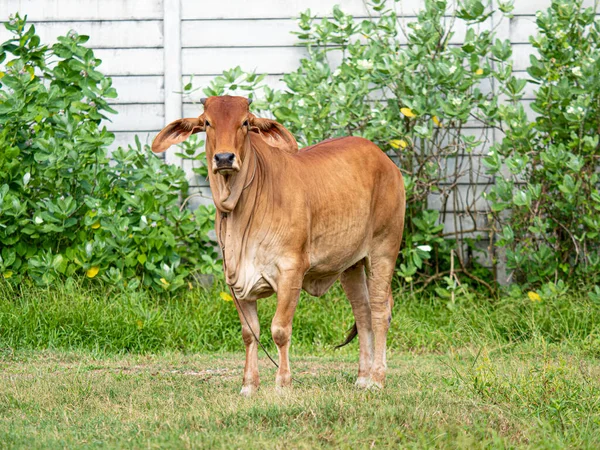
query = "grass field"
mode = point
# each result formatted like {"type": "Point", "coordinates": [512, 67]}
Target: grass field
{"type": "Point", "coordinates": [84, 367]}
{"type": "Point", "coordinates": [529, 396]}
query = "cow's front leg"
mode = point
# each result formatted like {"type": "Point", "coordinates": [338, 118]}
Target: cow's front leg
{"type": "Point", "coordinates": [288, 293]}
{"type": "Point", "coordinates": [249, 318]}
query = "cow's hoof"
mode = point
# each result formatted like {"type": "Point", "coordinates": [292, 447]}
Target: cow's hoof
{"type": "Point", "coordinates": [248, 391]}
{"type": "Point", "coordinates": [374, 385]}
{"type": "Point", "coordinates": [362, 382]}
{"type": "Point", "coordinates": [283, 381]}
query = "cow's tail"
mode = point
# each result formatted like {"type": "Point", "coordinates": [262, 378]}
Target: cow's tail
{"type": "Point", "coordinates": [352, 332]}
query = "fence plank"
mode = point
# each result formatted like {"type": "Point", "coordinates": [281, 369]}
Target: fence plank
{"type": "Point", "coordinates": [273, 33]}
{"type": "Point", "coordinates": [103, 34]}
{"type": "Point", "coordinates": [139, 89]}
{"type": "Point", "coordinates": [225, 33]}
{"type": "Point", "coordinates": [520, 28]}
{"type": "Point", "coordinates": [131, 61]}
{"type": "Point", "coordinates": [245, 9]}
{"type": "Point", "coordinates": [137, 117]}
{"type": "Point", "coordinates": [172, 58]}
{"type": "Point", "coordinates": [50, 10]}
{"type": "Point", "coordinates": [213, 61]}
{"type": "Point", "coordinates": [530, 7]}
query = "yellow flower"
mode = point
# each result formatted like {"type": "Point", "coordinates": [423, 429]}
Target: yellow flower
{"type": "Point", "coordinates": [436, 121]}
{"type": "Point", "coordinates": [7, 274]}
{"type": "Point", "coordinates": [407, 112]}
{"type": "Point", "coordinates": [139, 324]}
{"type": "Point", "coordinates": [534, 296]}
{"type": "Point", "coordinates": [225, 296]}
{"type": "Point", "coordinates": [96, 226]}
{"type": "Point", "coordinates": [190, 285]}
{"type": "Point", "coordinates": [479, 71]}
{"type": "Point", "coordinates": [398, 143]}
{"type": "Point", "coordinates": [92, 271]}
{"type": "Point", "coordinates": [165, 282]}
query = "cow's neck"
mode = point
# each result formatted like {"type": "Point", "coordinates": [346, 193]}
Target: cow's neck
{"type": "Point", "coordinates": [226, 191]}
{"type": "Point", "coordinates": [238, 204]}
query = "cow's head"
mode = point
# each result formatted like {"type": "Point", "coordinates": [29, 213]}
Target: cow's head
{"type": "Point", "coordinates": [228, 124]}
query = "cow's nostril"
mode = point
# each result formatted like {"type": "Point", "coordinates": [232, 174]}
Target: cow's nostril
{"type": "Point", "coordinates": [231, 157]}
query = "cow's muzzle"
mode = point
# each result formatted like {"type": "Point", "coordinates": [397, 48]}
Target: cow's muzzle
{"type": "Point", "coordinates": [225, 164]}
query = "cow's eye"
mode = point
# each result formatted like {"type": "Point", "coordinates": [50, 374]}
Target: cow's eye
{"type": "Point", "coordinates": [245, 124]}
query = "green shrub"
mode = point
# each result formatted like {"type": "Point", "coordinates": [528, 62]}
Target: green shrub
{"type": "Point", "coordinates": [64, 209]}
{"type": "Point", "coordinates": [546, 196]}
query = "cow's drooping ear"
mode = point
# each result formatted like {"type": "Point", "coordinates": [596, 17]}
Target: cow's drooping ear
{"type": "Point", "coordinates": [176, 132]}
{"type": "Point", "coordinates": [273, 133]}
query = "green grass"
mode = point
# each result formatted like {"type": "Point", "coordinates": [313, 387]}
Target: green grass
{"type": "Point", "coordinates": [76, 317]}
{"type": "Point", "coordinates": [526, 396]}
{"type": "Point", "coordinates": [81, 366]}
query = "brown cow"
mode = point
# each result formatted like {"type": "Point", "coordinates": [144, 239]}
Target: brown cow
{"type": "Point", "coordinates": [291, 220]}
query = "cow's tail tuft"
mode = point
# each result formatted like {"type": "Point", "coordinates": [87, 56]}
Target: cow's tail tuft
{"type": "Point", "coordinates": [352, 332]}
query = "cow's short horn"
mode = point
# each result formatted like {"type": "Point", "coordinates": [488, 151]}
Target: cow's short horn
{"type": "Point", "coordinates": [249, 101]}
{"type": "Point", "coordinates": [203, 100]}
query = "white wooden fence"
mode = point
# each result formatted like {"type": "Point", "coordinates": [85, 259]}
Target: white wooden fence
{"type": "Point", "coordinates": [151, 47]}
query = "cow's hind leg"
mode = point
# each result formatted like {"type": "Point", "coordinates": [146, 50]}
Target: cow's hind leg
{"type": "Point", "coordinates": [379, 285]}
{"type": "Point", "coordinates": [354, 282]}
{"type": "Point", "coordinates": [249, 318]}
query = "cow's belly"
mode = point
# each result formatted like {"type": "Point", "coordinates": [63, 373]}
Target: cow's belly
{"type": "Point", "coordinates": [327, 264]}
{"type": "Point", "coordinates": [318, 284]}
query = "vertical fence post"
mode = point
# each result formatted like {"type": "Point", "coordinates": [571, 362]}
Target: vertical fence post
{"type": "Point", "coordinates": [502, 275]}
{"type": "Point", "coordinates": [172, 55]}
